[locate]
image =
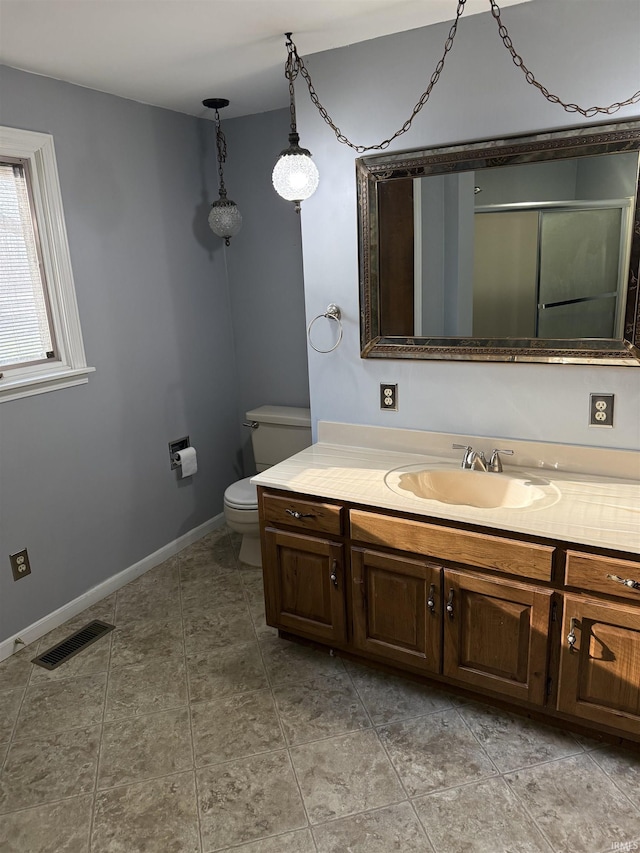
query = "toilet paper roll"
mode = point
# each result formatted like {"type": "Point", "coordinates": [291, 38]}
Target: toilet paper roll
{"type": "Point", "coordinates": [188, 461]}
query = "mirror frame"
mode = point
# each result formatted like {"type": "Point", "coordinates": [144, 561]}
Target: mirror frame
{"type": "Point", "coordinates": [582, 141]}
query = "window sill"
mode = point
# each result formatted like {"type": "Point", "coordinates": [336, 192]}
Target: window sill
{"type": "Point", "coordinates": [27, 386]}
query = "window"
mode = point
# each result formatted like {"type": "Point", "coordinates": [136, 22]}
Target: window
{"type": "Point", "coordinates": [41, 344]}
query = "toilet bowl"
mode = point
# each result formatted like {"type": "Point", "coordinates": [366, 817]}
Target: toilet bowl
{"type": "Point", "coordinates": [241, 514]}
{"type": "Point", "coordinates": [277, 432]}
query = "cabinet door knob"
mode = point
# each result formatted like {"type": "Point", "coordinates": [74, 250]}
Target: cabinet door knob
{"type": "Point", "coordinates": [295, 514]}
{"type": "Point", "coordinates": [334, 576]}
{"type": "Point", "coordinates": [571, 637]}
{"type": "Point", "coordinates": [431, 603]}
{"type": "Point", "coordinates": [450, 603]}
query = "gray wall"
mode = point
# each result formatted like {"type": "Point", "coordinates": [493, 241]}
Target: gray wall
{"type": "Point", "coordinates": [265, 273]}
{"type": "Point", "coordinates": [588, 52]}
{"type": "Point", "coordinates": [85, 483]}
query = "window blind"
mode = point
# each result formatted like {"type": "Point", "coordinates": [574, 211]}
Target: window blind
{"type": "Point", "coordinates": [25, 329]}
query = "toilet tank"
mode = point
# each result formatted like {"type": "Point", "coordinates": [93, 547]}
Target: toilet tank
{"type": "Point", "coordinates": [281, 432]}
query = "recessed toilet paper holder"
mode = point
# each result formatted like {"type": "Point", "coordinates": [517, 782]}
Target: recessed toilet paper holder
{"type": "Point", "coordinates": [175, 447]}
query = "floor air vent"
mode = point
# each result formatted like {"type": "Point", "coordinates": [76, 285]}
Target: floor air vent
{"type": "Point", "coordinates": [57, 655]}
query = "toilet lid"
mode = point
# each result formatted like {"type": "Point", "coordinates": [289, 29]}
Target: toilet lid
{"type": "Point", "coordinates": [242, 495]}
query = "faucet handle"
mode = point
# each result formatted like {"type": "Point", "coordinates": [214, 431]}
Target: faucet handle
{"type": "Point", "coordinates": [468, 453]}
{"type": "Point", "coordinates": [495, 463]}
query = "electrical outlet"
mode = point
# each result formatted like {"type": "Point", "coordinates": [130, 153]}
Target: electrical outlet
{"type": "Point", "coordinates": [389, 397]}
{"type": "Point", "coordinates": [175, 447]}
{"type": "Point", "coordinates": [601, 410]}
{"type": "Point", "coordinates": [20, 565]}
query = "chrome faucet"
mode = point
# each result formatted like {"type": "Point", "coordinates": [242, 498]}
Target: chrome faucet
{"type": "Point", "coordinates": [475, 459]}
{"type": "Point", "coordinates": [472, 459]}
{"type": "Point", "coordinates": [495, 463]}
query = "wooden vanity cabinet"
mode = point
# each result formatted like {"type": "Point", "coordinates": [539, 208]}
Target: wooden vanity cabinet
{"type": "Point", "coordinates": [600, 653]}
{"type": "Point", "coordinates": [304, 577]}
{"type": "Point", "coordinates": [397, 608]}
{"type": "Point", "coordinates": [495, 635]}
{"type": "Point", "coordinates": [472, 609]}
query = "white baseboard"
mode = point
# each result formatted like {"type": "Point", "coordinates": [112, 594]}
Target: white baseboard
{"type": "Point", "coordinates": [38, 629]}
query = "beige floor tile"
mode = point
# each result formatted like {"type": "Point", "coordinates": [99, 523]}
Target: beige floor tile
{"type": "Point", "coordinates": [623, 768]}
{"type": "Point", "coordinates": [210, 551]}
{"type": "Point", "coordinates": [576, 805]}
{"type": "Point", "coordinates": [15, 670]}
{"type": "Point", "coordinates": [132, 605]}
{"type": "Point", "coordinates": [140, 748]}
{"type": "Point", "coordinates": [62, 704]}
{"type": "Point", "coordinates": [4, 748]}
{"type": "Point", "coordinates": [214, 629]}
{"type": "Point", "coordinates": [482, 818]}
{"type": "Point", "coordinates": [144, 688]}
{"type": "Point", "coordinates": [228, 670]}
{"type": "Point", "coordinates": [164, 578]}
{"type": "Point", "coordinates": [61, 827]}
{"type": "Point", "coordinates": [140, 642]}
{"type": "Point", "coordinates": [9, 707]}
{"type": "Point", "coordinates": [202, 597]}
{"type": "Point", "coordinates": [235, 727]}
{"type": "Point", "coordinates": [320, 707]}
{"type": "Point", "coordinates": [291, 842]}
{"type": "Point", "coordinates": [344, 775]}
{"type": "Point", "coordinates": [388, 698]}
{"type": "Point", "coordinates": [395, 828]}
{"type": "Point", "coordinates": [513, 742]}
{"type": "Point", "coordinates": [292, 663]}
{"type": "Point", "coordinates": [157, 816]}
{"type": "Point", "coordinates": [433, 752]}
{"type": "Point", "coordinates": [49, 768]}
{"type": "Point", "coordinates": [248, 799]}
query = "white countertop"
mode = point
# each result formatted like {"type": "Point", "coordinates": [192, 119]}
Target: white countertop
{"type": "Point", "coordinates": [590, 508]}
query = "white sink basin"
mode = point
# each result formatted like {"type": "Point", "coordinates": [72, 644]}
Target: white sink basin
{"type": "Point", "coordinates": [482, 489]}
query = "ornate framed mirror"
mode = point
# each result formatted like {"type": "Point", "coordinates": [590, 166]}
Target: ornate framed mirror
{"type": "Point", "coordinates": [518, 249]}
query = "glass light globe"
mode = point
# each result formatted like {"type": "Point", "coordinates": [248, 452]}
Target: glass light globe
{"type": "Point", "coordinates": [295, 176]}
{"type": "Point", "coordinates": [225, 220]}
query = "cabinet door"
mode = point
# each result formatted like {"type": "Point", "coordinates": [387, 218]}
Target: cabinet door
{"type": "Point", "coordinates": [397, 608]}
{"type": "Point", "coordinates": [600, 663]}
{"type": "Point", "coordinates": [304, 585]}
{"type": "Point", "coordinates": [495, 634]}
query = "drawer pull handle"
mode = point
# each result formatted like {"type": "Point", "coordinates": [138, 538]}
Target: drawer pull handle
{"type": "Point", "coordinates": [295, 514]}
{"type": "Point", "coordinates": [431, 603]}
{"type": "Point", "coordinates": [625, 581]}
{"type": "Point", "coordinates": [450, 604]}
{"type": "Point", "coordinates": [571, 637]}
{"type": "Point", "coordinates": [334, 576]}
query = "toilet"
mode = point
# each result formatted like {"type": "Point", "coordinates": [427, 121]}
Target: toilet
{"type": "Point", "coordinates": [277, 432]}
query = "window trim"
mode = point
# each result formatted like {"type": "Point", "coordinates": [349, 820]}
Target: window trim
{"type": "Point", "coordinates": [70, 368]}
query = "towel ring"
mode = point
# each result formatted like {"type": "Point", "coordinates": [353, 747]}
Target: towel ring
{"type": "Point", "coordinates": [332, 313]}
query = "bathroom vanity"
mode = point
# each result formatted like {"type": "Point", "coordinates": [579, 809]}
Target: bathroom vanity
{"type": "Point", "coordinates": [536, 604]}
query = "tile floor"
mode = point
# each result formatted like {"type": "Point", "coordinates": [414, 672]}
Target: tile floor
{"type": "Point", "coordinates": [192, 728]}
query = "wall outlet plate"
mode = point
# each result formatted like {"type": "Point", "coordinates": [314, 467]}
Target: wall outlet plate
{"type": "Point", "coordinates": [601, 410]}
{"type": "Point", "coordinates": [389, 397]}
{"type": "Point", "coordinates": [175, 447]}
{"type": "Point", "coordinates": [20, 565]}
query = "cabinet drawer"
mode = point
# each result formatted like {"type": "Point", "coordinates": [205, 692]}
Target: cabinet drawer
{"type": "Point", "coordinates": [591, 572]}
{"type": "Point", "coordinates": [474, 549]}
{"type": "Point", "coordinates": [302, 514]}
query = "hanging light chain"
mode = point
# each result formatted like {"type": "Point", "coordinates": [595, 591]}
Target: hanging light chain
{"type": "Point", "coordinates": [295, 65]}
{"type": "Point", "coordinates": [587, 112]}
{"type": "Point", "coordinates": [221, 145]}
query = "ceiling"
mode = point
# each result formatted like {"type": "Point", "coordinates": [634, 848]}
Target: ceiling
{"type": "Point", "coordinates": [175, 53]}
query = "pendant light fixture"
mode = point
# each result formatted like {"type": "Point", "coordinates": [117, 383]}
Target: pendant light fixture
{"type": "Point", "coordinates": [225, 219]}
{"type": "Point", "coordinates": [295, 176]}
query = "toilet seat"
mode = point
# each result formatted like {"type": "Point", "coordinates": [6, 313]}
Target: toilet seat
{"type": "Point", "coordinates": [242, 495]}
